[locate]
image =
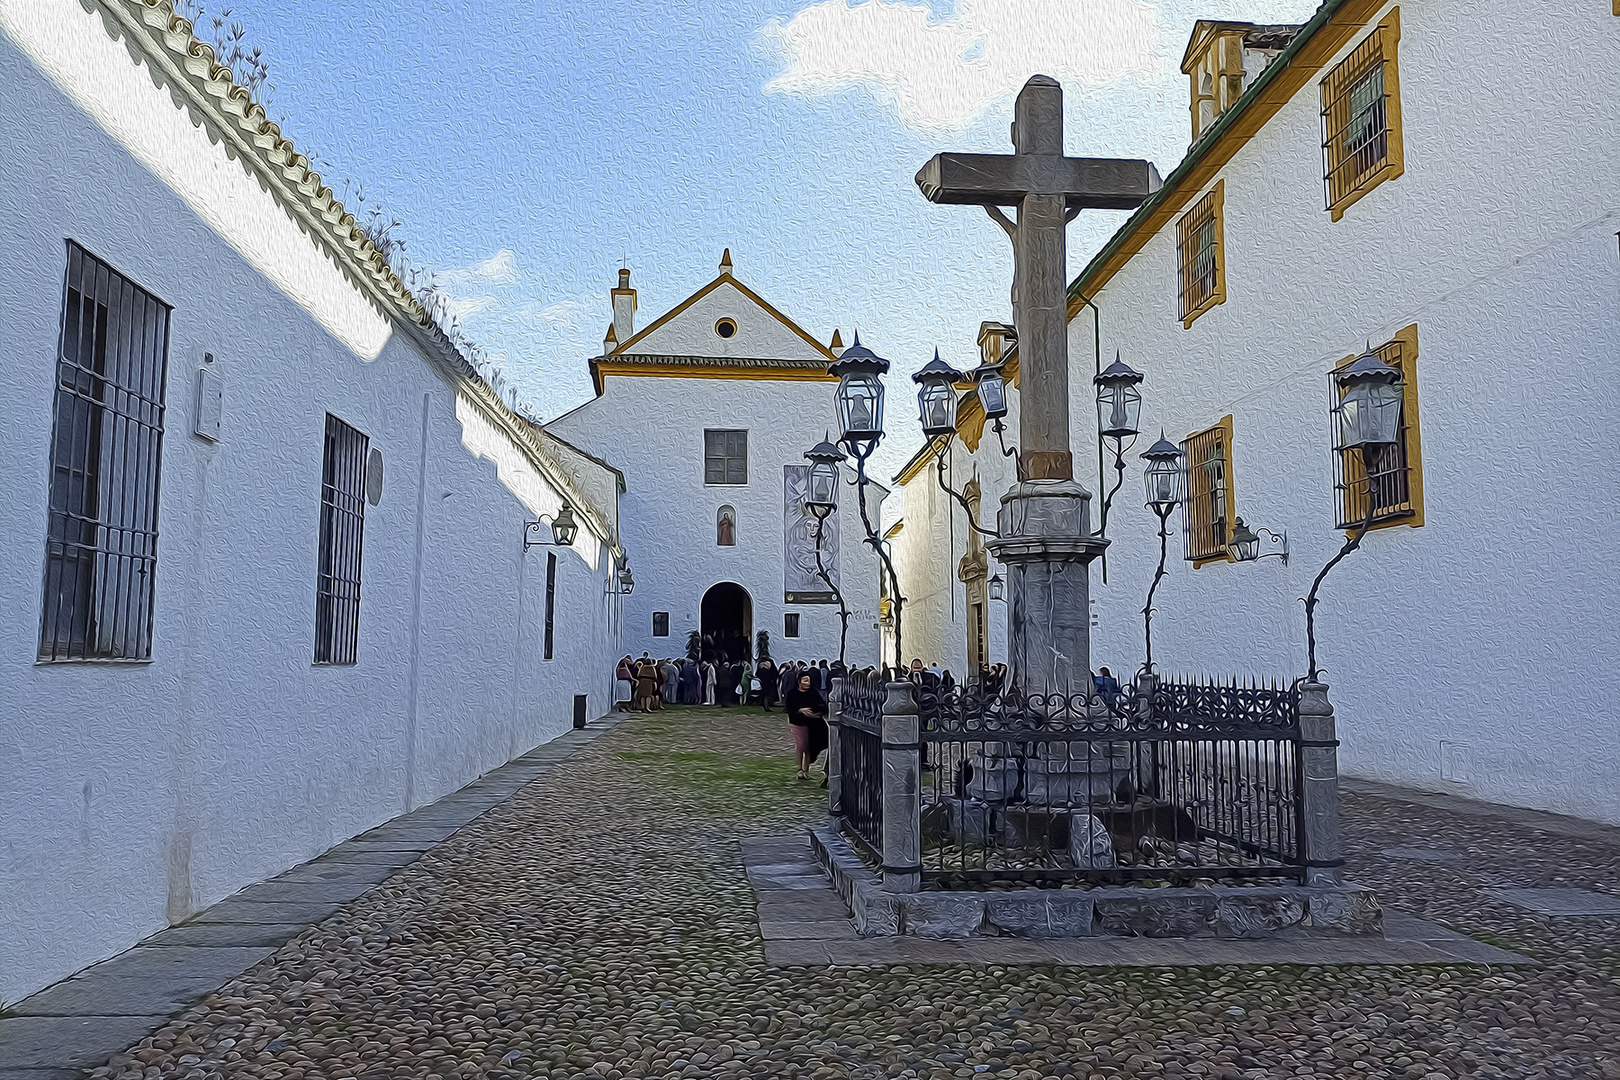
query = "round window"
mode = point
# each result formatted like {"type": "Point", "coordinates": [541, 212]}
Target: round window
{"type": "Point", "coordinates": [725, 328]}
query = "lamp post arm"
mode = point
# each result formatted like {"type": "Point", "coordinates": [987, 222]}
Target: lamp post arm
{"type": "Point", "coordinates": [1018, 462]}
{"type": "Point", "coordinates": [959, 497]}
{"type": "Point", "coordinates": [1158, 576]}
{"type": "Point", "coordinates": [1310, 601]}
{"type": "Point", "coordinates": [1120, 449]}
{"type": "Point", "coordinates": [876, 542]}
{"type": "Point", "coordinates": [843, 612]}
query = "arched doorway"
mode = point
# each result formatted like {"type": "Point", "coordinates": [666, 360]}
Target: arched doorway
{"type": "Point", "coordinates": [727, 622]}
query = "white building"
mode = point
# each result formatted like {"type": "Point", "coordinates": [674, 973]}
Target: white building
{"type": "Point", "coordinates": [261, 539]}
{"type": "Point", "coordinates": [707, 411]}
{"type": "Point", "coordinates": [1365, 179]}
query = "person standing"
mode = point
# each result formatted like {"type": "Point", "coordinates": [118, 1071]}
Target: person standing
{"type": "Point", "coordinates": [708, 681]}
{"type": "Point", "coordinates": [671, 676]}
{"type": "Point", "coordinates": [766, 674]}
{"type": "Point", "coordinates": [646, 684]}
{"type": "Point", "coordinates": [624, 690]}
{"type": "Point", "coordinates": [807, 719]}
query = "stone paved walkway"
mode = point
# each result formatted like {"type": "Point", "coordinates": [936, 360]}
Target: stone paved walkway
{"type": "Point", "coordinates": [600, 924]}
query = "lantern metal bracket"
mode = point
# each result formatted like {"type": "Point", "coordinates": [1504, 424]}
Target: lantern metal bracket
{"type": "Point", "coordinates": [1273, 539]}
{"type": "Point", "coordinates": [860, 450]}
{"type": "Point", "coordinates": [1121, 448]}
{"type": "Point", "coordinates": [1163, 510]}
{"type": "Point", "coordinates": [1018, 463]}
{"type": "Point", "coordinates": [944, 448]}
{"type": "Point", "coordinates": [821, 572]}
{"type": "Point", "coordinates": [1350, 545]}
{"type": "Point", "coordinates": [535, 527]}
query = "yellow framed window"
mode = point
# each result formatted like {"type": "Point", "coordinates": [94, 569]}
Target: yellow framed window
{"type": "Point", "coordinates": [1361, 118]}
{"type": "Point", "coordinates": [1201, 255]}
{"type": "Point", "coordinates": [1211, 494]}
{"type": "Point", "coordinates": [1396, 489]}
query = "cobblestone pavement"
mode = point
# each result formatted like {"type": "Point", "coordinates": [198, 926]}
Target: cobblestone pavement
{"type": "Point", "coordinates": [598, 924]}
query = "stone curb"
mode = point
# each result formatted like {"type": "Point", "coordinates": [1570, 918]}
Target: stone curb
{"type": "Point", "coordinates": [81, 1021]}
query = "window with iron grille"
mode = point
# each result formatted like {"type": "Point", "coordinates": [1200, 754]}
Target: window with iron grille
{"type": "Point", "coordinates": [725, 457]}
{"type": "Point", "coordinates": [1200, 255]}
{"type": "Point", "coordinates": [1393, 477]}
{"type": "Point", "coordinates": [343, 519]}
{"type": "Point", "coordinates": [106, 448]}
{"type": "Point", "coordinates": [660, 624]}
{"type": "Point", "coordinates": [1210, 493]}
{"type": "Point", "coordinates": [551, 605]}
{"type": "Point", "coordinates": [790, 624]}
{"type": "Point", "coordinates": [1361, 119]}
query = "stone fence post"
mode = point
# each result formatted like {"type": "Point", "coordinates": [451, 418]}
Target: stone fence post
{"type": "Point", "coordinates": [835, 770]}
{"type": "Point", "coordinates": [902, 791]}
{"type": "Point", "coordinates": [1322, 846]}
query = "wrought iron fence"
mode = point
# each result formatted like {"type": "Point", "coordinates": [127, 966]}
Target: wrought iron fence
{"type": "Point", "coordinates": [860, 759]}
{"type": "Point", "coordinates": [1169, 780]}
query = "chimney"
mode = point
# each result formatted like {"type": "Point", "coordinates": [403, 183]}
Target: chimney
{"type": "Point", "coordinates": [610, 342]}
{"type": "Point", "coordinates": [624, 309]}
{"type": "Point", "coordinates": [994, 341]}
{"type": "Point", "coordinates": [837, 346]}
{"type": "Point", "coordinates": [725, 263]}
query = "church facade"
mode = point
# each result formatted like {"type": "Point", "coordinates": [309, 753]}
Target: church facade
{"type": "Point", "coordinates": [707, 411]}
{"type": "Point", "coordinates": [1350, 184]}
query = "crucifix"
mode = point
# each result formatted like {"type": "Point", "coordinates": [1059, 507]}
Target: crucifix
{"type": "Point", "coordinates": [1049, 191]}
{"type": "Point", "coordinates": [1045, 538]}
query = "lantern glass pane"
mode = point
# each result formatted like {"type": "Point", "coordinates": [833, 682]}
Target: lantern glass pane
{"type": "Point", "coordinates": [860, 404]}
{"type": "Point", "coordinates": [1119, 405]}
{"type": "Point", "coordinates": [997, 588]}
{"type": "Point", "coordinates": [1369, 415]}
{"type": "Point", "coordinates": [1247, 550]}
{"type": "Point", "coordinates": [1163, 480]}
{"type": "Point", "coordinates": [993, 396]}
{"type": "Point", "coordinates": [823, 484]}
{"type": "Point", "coordinates": [936, 407]}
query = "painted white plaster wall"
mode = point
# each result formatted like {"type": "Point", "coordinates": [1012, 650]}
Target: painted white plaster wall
{"type": "Point", "coordinates": [1470, 654]}
{"type": "Point", "coordinates": [759, 333]}
{"type": "Point", "coordinates": [136, 794]}
{"type": "Point", "coordinates": [651, 427]}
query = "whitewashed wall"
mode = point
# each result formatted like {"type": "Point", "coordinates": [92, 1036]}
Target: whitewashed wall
{"type": "Point", "coordinates": [136, 794]}
{"type": "Point", "coordinates": [1474, 653]}
{"type": "Point", "coordinates": [651, 428]}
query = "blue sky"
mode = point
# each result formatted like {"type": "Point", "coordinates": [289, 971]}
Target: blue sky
{"type": "Point", "coordinates": [528, 147]}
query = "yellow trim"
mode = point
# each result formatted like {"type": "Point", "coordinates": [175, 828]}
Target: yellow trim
{"type": "Point", "coordinates": [1389, 35]}
{"type": "Point", "coordinates": [1407, 338]}
{"type": "Point", "coordinates": [600, 369]}
{"type": "Point", "coordinates": [1225, 428]}
{"type": "Point", "coordinates": [1344, 25]}
{"type": "Point", "coordinates": [725, 319]}
{"type": "Point", "coordinates": [1216, 51]}
{"type": "Point", "coordinates": [894, 531]}
{"type": "Point", "coordinates": [728, 279]}
{"type": "Point", "coordinates": [970, 421]}
{"type": "Point", "coordinates": [1217, 195]}
{"type": "Point", "coordinates": [920, 460]}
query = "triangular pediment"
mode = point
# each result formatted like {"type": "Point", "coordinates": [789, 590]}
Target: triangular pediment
{"type": "Point", "coordinates": [698, 326]}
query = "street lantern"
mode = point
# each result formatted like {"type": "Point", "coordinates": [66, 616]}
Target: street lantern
{"type": "Point", "coordinates": [860, 394]}
{"type": "Point", "coordinates": [563, 527]}
{"type": "Point", "coordinates": [1119, 402]}
{"type": "Point", "coordinates": [992, 390]}
{"type": "Point", "coordinates": [627, 581]}
{"type": "Point", "coordinates": [936, 396]}
{"type": "Point", "coordinates": [825, 459]}
{"type": "Point", "coordinates": [1369, 407]}
{"type": "Point", "coordinates": [1245, 544]}
{"type": "Point", "coordinates": [1165, 476]}
{"type": "Point", "coordinates": [998, 588]}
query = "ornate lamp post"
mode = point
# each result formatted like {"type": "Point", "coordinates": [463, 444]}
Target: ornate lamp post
{"type": "Point", "coordinates": [992, 390]}
{"type": "Point", "coordinates": [936, 410]}
{"type": "Point", "coordinates": [1367, 420]}
{"type": "Point", "coordinates": [563, 530]}
{"type": "Point", "coordinates": [1166, 482]}
{"type": "Point", "coordinates": [1119, 405]}
{"type": "Point", "coordinates": [822, 500]}
{"type": "Point", "coordinates": [860, 374]}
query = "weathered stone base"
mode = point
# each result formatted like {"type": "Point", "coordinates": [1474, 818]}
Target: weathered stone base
{"type": "Point", "coordinates": [1257, 911]}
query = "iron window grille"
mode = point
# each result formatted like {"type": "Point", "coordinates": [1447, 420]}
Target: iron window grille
{"type": "Point", "coordinates": [343, 518]}
{"type": "Point", "coordinates": [660, 624]}
{"type": "Point", "coordinates": [790, 624]}
{"type": "Point", "coordinates": [1357, 108]}
{"type": "Point", "coordinates": [1199, 256]}
{"type": "Point", "coordinates": [725, 456]}
{"type": "Point", "coordinates": [106, 451]}
{"type": "Point", "coordinates": [1208, 516]}
{"type": "Point", "coordinates": [551, 605]}
{"type": "Point", "coordinates": [1383, 475]}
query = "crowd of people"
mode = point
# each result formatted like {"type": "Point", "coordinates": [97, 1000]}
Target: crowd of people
{"type": "Point", "coordinates": [649, 684]}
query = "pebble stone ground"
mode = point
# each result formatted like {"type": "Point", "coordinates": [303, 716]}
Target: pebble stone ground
{"type": "Point", "coordinates": [599, 925]}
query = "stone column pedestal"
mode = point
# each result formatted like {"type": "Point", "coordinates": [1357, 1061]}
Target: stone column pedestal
{"type": "Point", "coordinates": [1047, 550]}
{"type": "Point", "coordinates": [1323, 842]}
{"type": "Point", "coordinates": [902, 792]}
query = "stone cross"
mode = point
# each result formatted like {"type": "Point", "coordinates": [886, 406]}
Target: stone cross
{"type": "Point", "coordinates": [1044, 530]}
{"type": "Point", "coordinates": [1049, 190]}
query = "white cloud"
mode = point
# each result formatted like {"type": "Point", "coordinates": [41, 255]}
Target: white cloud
{"type": "Point", "coordinates": [941, 74]}
{"type": "Point", "coordinates": [499, 269]}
